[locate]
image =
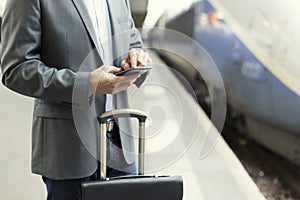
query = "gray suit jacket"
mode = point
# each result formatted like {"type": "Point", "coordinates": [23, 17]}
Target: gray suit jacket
{"type": "Point", "coordinates": [44, 44]}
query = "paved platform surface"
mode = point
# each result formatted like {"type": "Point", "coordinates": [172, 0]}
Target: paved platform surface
{"type": "Point", "coordinates": [176, 130]}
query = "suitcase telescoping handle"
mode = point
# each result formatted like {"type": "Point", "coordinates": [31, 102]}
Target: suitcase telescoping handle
{"type": "Point", "coordinates": [105, 120]}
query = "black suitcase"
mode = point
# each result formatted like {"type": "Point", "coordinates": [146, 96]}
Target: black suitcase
{"type": "Point", "coordinates": [132, 187]}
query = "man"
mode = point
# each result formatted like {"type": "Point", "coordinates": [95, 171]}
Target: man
{"type": "Point", "coordinates": [59, 52]}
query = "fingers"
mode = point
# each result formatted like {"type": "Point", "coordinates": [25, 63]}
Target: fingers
{"type": "Point", "coordinates": [111, 84]}
{"type": "Point", "coordinates": [136, 57]}
{"type": "Point", "coordinates": [140, 57]}
{"type": "Point", "coordinates": [132, 57]}
{"type": "Point", "coordinates": [145, 58]}
{"type": "Point", "coordinates": [103, 80]}
{"type": "Point", "coordinates": [148, 59]}
{"type": "Point", "coordinates": [125, 65]}
{"type": "Point", "coordinates": [124, 82]}
{"type": "Point", "coordinates": [111, 69]}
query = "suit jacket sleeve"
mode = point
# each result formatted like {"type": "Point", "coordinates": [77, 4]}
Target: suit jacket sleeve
{"type": "Point", "coordinates": [23, 70]}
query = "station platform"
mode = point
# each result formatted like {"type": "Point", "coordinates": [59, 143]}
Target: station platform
{"type": "Point", "coordinates": [174, 114]}
{"type": "Point", "coordinates": [176, 129]}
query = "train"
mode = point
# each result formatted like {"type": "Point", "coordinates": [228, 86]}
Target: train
{"type": "Point", "coordinates": [255, 46]}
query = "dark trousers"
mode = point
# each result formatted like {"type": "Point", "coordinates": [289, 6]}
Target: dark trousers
{"type": "Point", "coordinates": [69, 189]}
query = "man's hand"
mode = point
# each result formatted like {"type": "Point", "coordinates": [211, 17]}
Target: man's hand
{"type": "Point", "coordinates": [103, 81]}
{"type": "Point", "coordinates": [136, 57]}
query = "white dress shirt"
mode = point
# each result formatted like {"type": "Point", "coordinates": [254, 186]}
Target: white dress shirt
{"type": "Point", "coordinates": [98, 11]}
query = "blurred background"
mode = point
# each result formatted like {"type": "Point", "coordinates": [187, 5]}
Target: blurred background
{"type": "Point", "coordinates": [255, 46]}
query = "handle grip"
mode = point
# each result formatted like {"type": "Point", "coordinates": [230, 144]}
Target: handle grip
{"type": "Point", "coordinates": [109, 116]}
{"type": "Point", "coordinates": [122, 113]}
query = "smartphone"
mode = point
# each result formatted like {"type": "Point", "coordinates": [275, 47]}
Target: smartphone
{"type": "Point", "coordinates": [133, 70]}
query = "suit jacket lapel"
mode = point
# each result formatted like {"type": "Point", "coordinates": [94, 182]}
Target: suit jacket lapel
{"type": "Point", "coordinates": [110, 17]}
{"type": "Point", "coordinates": [84, 13]}
{"type": "Point", "coordinates": [117, 35]}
